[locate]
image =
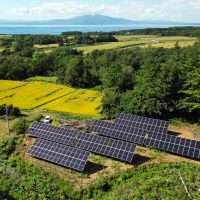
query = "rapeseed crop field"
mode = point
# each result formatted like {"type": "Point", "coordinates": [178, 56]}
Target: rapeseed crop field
{"type": "Point", "coordinates": [31, 95]}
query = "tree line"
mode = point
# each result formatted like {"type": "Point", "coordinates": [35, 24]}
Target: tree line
{"type": "Point", "coordinates": [173, 31]}
{"type": "Point", "coordinates": [191, 31]}
{"type": "Point", "coordinates": [63, 39]}
{"type": "Point", "coordinates": [150, 81]}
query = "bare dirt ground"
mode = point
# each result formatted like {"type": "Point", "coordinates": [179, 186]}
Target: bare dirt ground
{"type": "Point", "coordinates": [100, 167]}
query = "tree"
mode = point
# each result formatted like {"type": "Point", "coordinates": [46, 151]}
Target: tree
{"type": "Point", "coordinates": [191, 91]}
{"type": "Point", "coordinates": [12, 110]}
{"type": "Point", "coordinates": [83, 39]}
{"type": "Point", "coordinates": [74, 72]}
{"type": "Point", "coordinates": [108, 37]}
{"type": "Point", "coordinates": [111, 102]}
{"type": "Point", "coordinates": [20, 126]}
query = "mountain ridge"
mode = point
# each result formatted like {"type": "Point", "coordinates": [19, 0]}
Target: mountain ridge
{"type": "Point", "coordinates": [89, 20]}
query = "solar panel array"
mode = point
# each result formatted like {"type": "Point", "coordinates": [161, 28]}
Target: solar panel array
{"type": "Point", "coordinates": [173, 144]}
{"type": "Point", "coordinates": [60, 154]}
{"type": "Point", "coordinates": [118, 140]}
{"type": "Point", "coordinates": [122, 132]}
{"type": "Point", "coordinates": [153, 134]}
{"type": "Point", "coordinates": [52, 133]}
{"type": "Point", "coordinates": [106, 146]}
{"type": "Point", "coordinates": [144, 123]}
{"type": "Point", "coordinates": [94, 143]}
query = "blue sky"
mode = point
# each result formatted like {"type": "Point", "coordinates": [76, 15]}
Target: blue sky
{"type": "Point", "coordinates": [169, 10]}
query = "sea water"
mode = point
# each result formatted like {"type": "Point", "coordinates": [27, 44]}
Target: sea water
{"type": "Point", "coordinates": [58, 29]}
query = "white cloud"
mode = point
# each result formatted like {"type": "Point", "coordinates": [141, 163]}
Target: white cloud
{"type": "Point", "coordinates": [181, 10]}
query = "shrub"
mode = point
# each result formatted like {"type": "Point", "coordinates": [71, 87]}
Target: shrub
{"type": "Point", "coordinates": [38, 117]}
{"type": "Point", "coordinates": [20, 126]}
{"type": "Point", "coordinates": [12, 111]}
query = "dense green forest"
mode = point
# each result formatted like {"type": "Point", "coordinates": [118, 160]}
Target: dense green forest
{"type": "Point", "coordinates": [173, 31]}
{"type": "Point", "coordinates": [147, 81]}
{"type": "Point", "coordinates": [22, 41]}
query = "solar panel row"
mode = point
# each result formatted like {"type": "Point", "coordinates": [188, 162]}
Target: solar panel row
{"type": "Point", "coordinates": [173, 144]}
{"type": "Point", "coordinates": [94, 143]}
{"type": "Point", "coordinates": [60, 154]}
{"type": "Point", "coordinates": [52, 133]}
{"type": "Point", "coordinates": [121, 132]}
{"type": "Point", "coordinates": [106, 146]}
{"type": "Point", "coordinates": [144, 137]}
{"type": "Point", "coordinates": [144, 123]}
{"type": "Point", "coordinates": [50, 129]}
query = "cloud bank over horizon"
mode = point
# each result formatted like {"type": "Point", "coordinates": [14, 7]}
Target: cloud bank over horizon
{"type": "Point", "coordinates": [169, 10]}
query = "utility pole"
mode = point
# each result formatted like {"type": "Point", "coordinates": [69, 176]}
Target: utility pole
{"type": "Point", "coordinates": [7, 119]}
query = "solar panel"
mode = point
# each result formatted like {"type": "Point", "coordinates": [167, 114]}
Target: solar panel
{"type": "Point", "coordinates": [174, 144]}
{"type": "Point", "coordinates": [52, 133]}
{"type": "Point", "coordinates": [106, 146]}
{"type": "Point", "coordinates": [93, 143]}
{"type": "Point", "coordinates": [144, 123]}
{"type": "Point", "coordinates": [122, 150]}
{"type": "Point", "coordinates": [118, 131]}
{"type": "Point", "coordinates": [60, 154]}
{"type": "Point", "coordinates": [165, 142]}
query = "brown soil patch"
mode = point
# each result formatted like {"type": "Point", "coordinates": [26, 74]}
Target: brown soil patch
{"type": "Point", "coordinates": [185, 132]}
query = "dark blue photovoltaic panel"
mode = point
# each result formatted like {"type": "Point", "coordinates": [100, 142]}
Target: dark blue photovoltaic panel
{"type": "Point", "coordinates": [157, 140]}
{"type": "Point", "coordinates": [174, 144]}
{"type": "Point", "coordinates": [144, 123]}
{"type": "Point", "coordinates": [52, 133]}
{"type": "Point", "coordinates": [49, 129]}
{"type": "Point", "coordinates": [93, 143]}
{"type": "Point", "coordinates": [106, 146]}
{"type": "Point", "coordinates": [60, 154]}
{"type": "Point", "coordinates": [119, 131]}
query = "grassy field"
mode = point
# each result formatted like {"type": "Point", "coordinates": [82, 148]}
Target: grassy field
{"type": "Point", "coordinates": [127, 41]}
{"type": "Point", "coordinates": [46, 46]}
{"type": "Point", "coordinates": [141, 41]}
{"type": "Point", "coordinates": [31, 95]}
{"type": "Point", "coordinates": [5, 36]}
{"type": "Point", "coordinates": [153, 182]}
{"type": "Point", "coordinates": [112, 45]}
{"type": "Point", "coordinates": [43, 79]}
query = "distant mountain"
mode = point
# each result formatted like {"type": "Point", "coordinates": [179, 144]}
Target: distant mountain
{"type": "Point", "coordinates": [94, 20]}
{"type": "Point", "coordinates": [82, 20]}
{"type": "Point", "coordinates": [89, 20]}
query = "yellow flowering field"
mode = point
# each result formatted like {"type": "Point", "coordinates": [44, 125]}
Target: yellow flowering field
{"type": "Point", "coordinates": [30, 95]}
{"type": "Point", "coordinates": [79, 101]}
{"type": "Point", "coordinates": [8, 85]}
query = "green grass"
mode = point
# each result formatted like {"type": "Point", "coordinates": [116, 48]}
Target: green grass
{"type": "Point", "coordinates": [45, 46]}
{"type": "Point", "coordinates": [43, 79]}
{"type": "Point", "coordinates": [149, 182]}
{"type": "Point", "coordinates": [1, 49]}
{"type": "Point", "coordinates": [5, 36]}
{"type": "Point", "coordinates": [111, 45]}
{"type": "Point", "coordinates": [130, 41]}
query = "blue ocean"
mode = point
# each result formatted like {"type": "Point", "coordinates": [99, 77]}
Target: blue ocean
{"type": "Point", "coordinates": [58, 29]}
